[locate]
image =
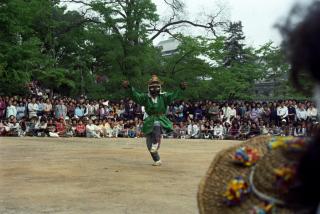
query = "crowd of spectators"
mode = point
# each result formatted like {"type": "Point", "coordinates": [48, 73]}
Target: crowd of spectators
{"type": "Point", "coordinates": [39, 115]}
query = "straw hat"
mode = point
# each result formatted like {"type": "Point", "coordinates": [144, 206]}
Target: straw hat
{"type": "Point", "coordinates": [261, 177]}
{"type": "Point", "coordinates": [154, 81]}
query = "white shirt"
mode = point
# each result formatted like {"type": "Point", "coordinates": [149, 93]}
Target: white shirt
{"type": "Point", "coordinates": [91, 128]}
{"type": "Point", "coordinates": [301, 114]}
{"type": "Point", "coordinates": [32, 109]}
{"type": "Point", "coordinates": [312, 112]}
{"type": "Point", "coordinates": [233, 112]}
{"type": "Point", "coordinates": [11, 110]}
{"type": "Point", "coordinates": [218, 130]}
{"type": "Point", "coordinates": [195, 130]}
{"type": "Point", "coordinates": [226, 112]}
{"type": "Point", "coordinates": [282, 111]}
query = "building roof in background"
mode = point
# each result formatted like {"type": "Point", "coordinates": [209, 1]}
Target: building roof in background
{"type": "Point", "coordinates": [168, 46]}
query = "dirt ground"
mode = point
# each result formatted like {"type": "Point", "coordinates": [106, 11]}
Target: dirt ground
{"type": "Point", "coordinates": [45, 175]}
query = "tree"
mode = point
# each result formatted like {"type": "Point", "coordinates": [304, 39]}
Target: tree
{"type": "Point", "coordinates": [234, 44]}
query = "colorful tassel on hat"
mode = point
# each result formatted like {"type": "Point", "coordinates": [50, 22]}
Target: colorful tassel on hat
{"type": "Point", "coordinates": [265, 208]}
{"type": "Point", "coordinates": [237, 188]}
{"type": "Point", "coordinates": [279, 142]}
{"type": "Point", "coordinates": [285, 176]}
{"type": "Point", "coordinates": [246, 156]}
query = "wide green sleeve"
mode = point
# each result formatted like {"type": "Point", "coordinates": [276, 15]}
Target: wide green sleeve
{"type": "Point", "coordinates": [169, 97]}
{"type": "Point", "coordinates": [140, 98]}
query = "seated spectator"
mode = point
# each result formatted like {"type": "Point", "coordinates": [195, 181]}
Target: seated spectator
{"type": "Point", "coordinates": [275, 130]}
{"type": "Point", "coordinates": [263, 129]}
{"type": "Point", "coordinates": [254, 130]}
{"type": "Point", "coordinates": [205, 130]}
{"type": "Point", "coordinates": [138, 125]}
{"type": "Point", "coordinates": [299, 131]}
{"type": "Point", "coordinates": [68, 124]}
{"type": "Point", "coordinates": [74, 127]}
{"type": "Point", "coordinates": [14, 128]}
{"type": "Point", "coordinates": [244, 131]}
{"type": "Point", "coordinates": [104, 127]}
{"type": "Point", "coordinates": [289, 130]}
{"type": "Point", "coordinates": [91, 130]}
{"type": "Point", "coordinates": [233, 132]}
{"type": "Point", "coordinates": [80, 129]}
{"type": "Point", "coordinates": [61, 127]}
{"type": "Point", "coordinates": [193, 130]}
{"type": "Point", "coordinates": [30, 126]}
{"type": "Point", "coordinates": [41, 127]}
{"type": "Point", "coordinates": [218, 131]}
{"type": "Point", "coordinates": [131, 129]}
{"type": "Point", "coordinates": [3, 128]}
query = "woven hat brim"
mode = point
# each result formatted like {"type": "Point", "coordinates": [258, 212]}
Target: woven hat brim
{"type": "Point", "coordinates": [220, 172]}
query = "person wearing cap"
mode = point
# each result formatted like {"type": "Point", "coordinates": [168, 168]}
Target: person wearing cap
{"type": "Point", "coordinates": [155, 103]}
{"type": "Point", "coordinates": [274, 174]}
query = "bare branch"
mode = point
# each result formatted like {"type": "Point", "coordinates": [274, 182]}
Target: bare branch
{"type": "Point", "coordinates": [210, 26]}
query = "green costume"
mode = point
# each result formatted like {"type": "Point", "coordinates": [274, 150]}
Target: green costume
{"type": "Point", "coordinates": [156, 110]}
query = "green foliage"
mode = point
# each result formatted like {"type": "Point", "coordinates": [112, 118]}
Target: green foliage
{"type": "Point", "coordinates": [68, 52]}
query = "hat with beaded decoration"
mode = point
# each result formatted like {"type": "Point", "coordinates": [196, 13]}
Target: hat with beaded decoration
{"type": "Point", "coordinates": [254, 177]}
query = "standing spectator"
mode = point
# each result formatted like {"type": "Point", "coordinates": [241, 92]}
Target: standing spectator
{"type": "Point", "coordinates": [266, 113]}
{"type": "Point", "coordinates": [11, 110]}
{"type": "Point", "coordinates": [79, 111]}
{"type": "Point", "coordinates": [89, 108]}
{"type": "Point", "coordinates": [71, 109]}
{"type": "Point", "coordinates": [226, 112]}
{"type": "Point", "coordinates": [60, 110]}
{"type": "Point", "coordinates": [47, 108]}
{"type": "Point", "coordinates": [273, 113]}
{"type": "Point", "coordinates": [129, 110]}
{"type": "Point", "coordinates": [21, 111]}
{"type": "Point", "coordinates": [213, 111]}
{"type": "Point", "coordinates": [137, 112]}
{"type": "Point", "coordinates": [233, 112]}
{"type": "Point", "coordinates": [255, 113]}
{"type": "Point", "coordinates": [2, 107]}
{"type": "Point", "coordinates": [41, 106]}
{"type": "Point", "coordinates": [33, 108]}
{"type": "Point", "coordinates": [178, 112]}
{"type": "Point", "coordinates": [301, 113]}
{"type": "Point", "coordinates": [198, 114]}
{"type": "Point", "coordinates": [312, 112]}
{"type": "Point", "coordinates": [282, 112]}
{"type": "Point", "coordinates": [291, 112]}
